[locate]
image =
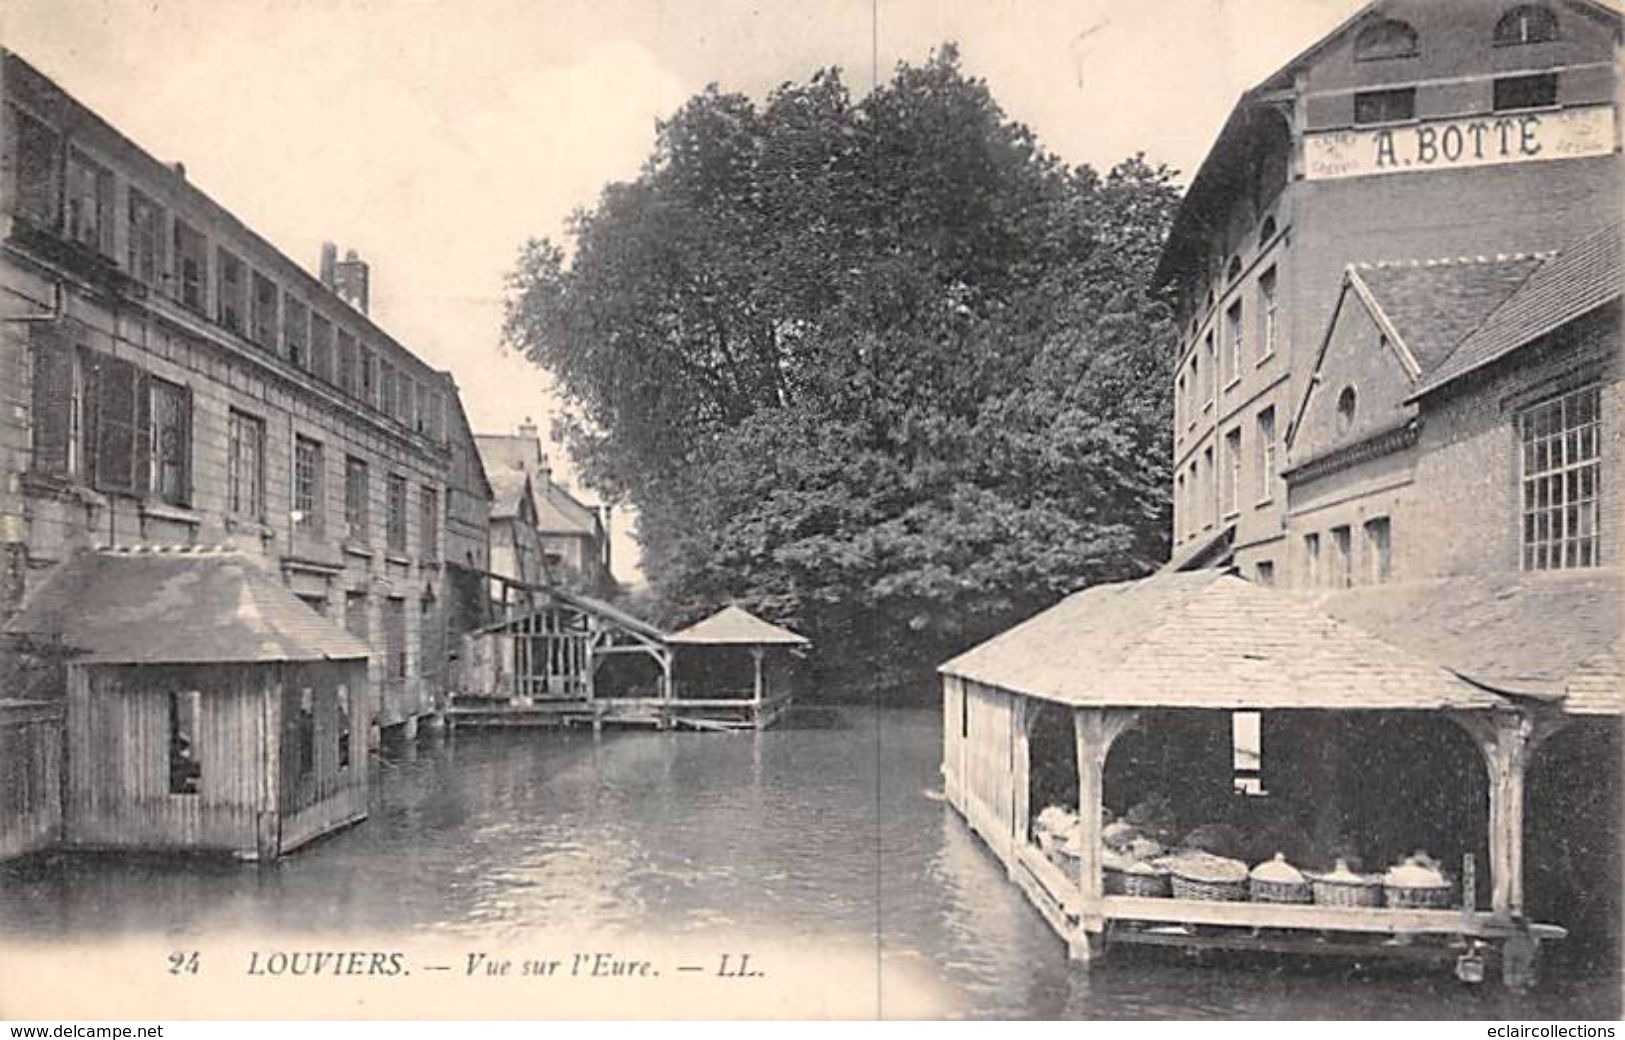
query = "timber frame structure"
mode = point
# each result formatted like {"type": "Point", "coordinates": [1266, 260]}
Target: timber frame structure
{"type": "Point", "coordinates": [1110, 656]}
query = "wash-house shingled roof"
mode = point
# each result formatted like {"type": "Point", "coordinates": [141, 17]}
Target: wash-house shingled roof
{"type": "Point", "coordinates": [735, 626]}
{"type": "Point", "coordinates": [1546, 634]}
{"type": "Point", "coordinates": [1207, 639]}
{"type": "Point", "coordinates": [177, 606]}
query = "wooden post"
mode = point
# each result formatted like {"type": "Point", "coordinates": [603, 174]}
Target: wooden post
{"type": "Point", "coordinates": [1095, 730]}
{"type": "Point", "coordinates": [756, 682]}
{"type": "Point", "coordinates": [1020, 776]}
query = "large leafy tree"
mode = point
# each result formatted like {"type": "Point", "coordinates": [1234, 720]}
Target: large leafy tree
{"type": "Point", "coordinates": [882, 369]}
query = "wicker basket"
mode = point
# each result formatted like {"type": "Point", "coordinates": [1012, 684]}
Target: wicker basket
{"type": "Point", "coordinates": [1209, 891]}
{"type": "Point", "coordinates": [1345, 893]}
{"type": "Point", "coordinates": [1133, 883]}
{"type": "Point", "coordinates": [1280, 891]}
{"type": "Point", "coordinates": [1436, 897]}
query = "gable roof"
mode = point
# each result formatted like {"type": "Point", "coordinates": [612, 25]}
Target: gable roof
{"type": "Point", "coordinates": [177, 606]}
{"type": "Point", "coordinates": [509, 489]}
{"type": "Point", "coordinates": [1538, 633]}
{"type": "Point", "coordinates": [1432, 304]}
{"type": "Point", "coordinates": [735, 626]}
{"type": "Point", "coordinates": [560, 513]}
{"type": "Point", "coordinates": [1578, 280]}
{"type": "Point", "coordinates": [1206, 639]}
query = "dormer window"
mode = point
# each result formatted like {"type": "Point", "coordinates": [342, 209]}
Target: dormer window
{"type": "Point", "coordinates": [1385, 38]}
{"type": "Point", "coordinates": [1384, 106]}
{"type": "Point", "coordinates": [1233, 271]}
{"type": "Point", "coordinates": [1347, 401]}
{"type": "Point", "coordinates": [1526, 23]}
{"type": "Point", "coordinates": [1266, 232]}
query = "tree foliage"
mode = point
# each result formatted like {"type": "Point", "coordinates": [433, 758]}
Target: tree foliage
{"type": "Point", "coordinates": [882, 369]}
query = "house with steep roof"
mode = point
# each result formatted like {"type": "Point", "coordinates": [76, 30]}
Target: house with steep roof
{"type": "Point", "coordinates": [573, 536]}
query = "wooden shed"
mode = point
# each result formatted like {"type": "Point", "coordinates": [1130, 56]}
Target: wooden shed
{"type": "Point", "coordinates": [733, 658]}
{"type": "Point", "coordinates": [206, 707]}
{"type": "Point", "coordinates": [1136, 685]}
{"type": "Point", "coordinates": [30, 780]}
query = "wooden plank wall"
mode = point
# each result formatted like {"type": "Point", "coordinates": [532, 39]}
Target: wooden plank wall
{"type": "Point", "coordinates": [988, 785]}
{"type": "Point", "coordinates": [328, 796]}
{"type": "Point", "coordinates": [118, 758]}
{"type": "Point", "coordinates": [30, 777]}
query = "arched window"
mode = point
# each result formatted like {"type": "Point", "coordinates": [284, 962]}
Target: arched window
{"type": "Point", "coordinates": [1385, 38]}
{"type": "Point", "coordinates": [1526, 23]}
{"type": "Point", "coordinates": [1266, 232]}
{"type": "Point", "coordinates": [1347, 401]}
{"type": "Point", "coordinates": [1233, 271]}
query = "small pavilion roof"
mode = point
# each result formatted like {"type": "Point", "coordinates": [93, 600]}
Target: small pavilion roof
{"type": "Point", "coordinates": [1208, 639]}
{"type": "Point", "coordinates": [735, 626]}
{"type": "Point", "coordinates": [177, 606]}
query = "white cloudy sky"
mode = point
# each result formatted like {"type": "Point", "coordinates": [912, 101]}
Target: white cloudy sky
{"type": "Point", "coordinates": [434, 137]}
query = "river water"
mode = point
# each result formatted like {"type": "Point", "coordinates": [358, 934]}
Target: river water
{"type": "Point", "coordinates": [815, 837]}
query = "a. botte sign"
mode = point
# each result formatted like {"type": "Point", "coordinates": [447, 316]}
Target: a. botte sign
{"type": "Point", "coordinates": [1440, 144]}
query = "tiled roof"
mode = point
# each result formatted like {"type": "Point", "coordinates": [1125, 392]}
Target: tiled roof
{"type": "Point", "coordinates": [1205, 639]}
{"type": "Point", "coordinates": [735, 626]}
{"type": "Point", "coordinates": [1581, 278]}
{"type": "Point", "coordinates": [1432, 304]}
{"type": "Point", "coordinates": [559, 512]}
{"type": "Point", "coordinates": [1547, 633]}
{"type": "Point", "coordinates": [177, 606]}
{"type": "Point", "coordinates": [507, 491]}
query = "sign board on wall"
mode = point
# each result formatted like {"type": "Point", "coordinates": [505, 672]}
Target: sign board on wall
{"type": "Point", "coordinates": [1449, 144]}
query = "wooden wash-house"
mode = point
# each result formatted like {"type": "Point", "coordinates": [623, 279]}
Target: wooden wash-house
{"type": "Point", "coordinates": [710, 680]}
{"type": "Point", "coordinates": [1133, 688]}
{"type": "Point", "coordinates": [206, 707]}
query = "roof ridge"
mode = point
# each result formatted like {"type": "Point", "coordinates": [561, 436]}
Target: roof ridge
{"type": "Point", "coordinates": [1452, 261]}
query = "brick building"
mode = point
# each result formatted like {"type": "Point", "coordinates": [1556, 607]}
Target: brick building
{"type": "Point", "coordinates": [171, 379]}
{"type": "Point", "coordinates": [1418, 130]}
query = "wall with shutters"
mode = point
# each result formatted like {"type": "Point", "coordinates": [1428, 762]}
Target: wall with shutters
{"type": "Point", "coordinates": [134, 332]}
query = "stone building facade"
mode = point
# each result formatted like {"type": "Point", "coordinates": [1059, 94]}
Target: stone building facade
{"type": "Point", "coordinates": [171, 379]}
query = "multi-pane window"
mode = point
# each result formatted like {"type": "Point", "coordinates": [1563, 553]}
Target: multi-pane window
{"type": "Point", "coordinates": [1384, 106]}
{"type": "Point", "coordinates": [87, 211]}
{"type": "Point", "coordinates": [1209, 477]}
{"type": "Point", "coordinates": [296, 331]}
{"type": "Point", "coordinates": [429, 525]}
{"type": "Point", "coordinates": [39, 151]}
{"type": "Point", "coordinates": [1534, 91]}
{"type": "Point", "coordinates": [1385, 38]}
{"type": "Point", "coordinates": [346, 362]}
{"type": "Point", "coordinates": [1378, 549]}
{"type": "Point", "coordinates": [144, 251]}
{"type": "Point", "coordinates": [395, 514]}
{"type": "Point", "coordinates": [369, 377]}
{"type": "Point", "coordinates": [1562, 470]}
{"type": "Point", "coordinates": [185, 764]}
{"type": "Point", "coordinates": [1212, 368]}
{"type": "Point", "coordinates": [263, 325]}
{"type": "Point", "coordinates": [357, 500]}
{"type": "Point", "coordinates": [409, 403]}
{"type": "Point", "coordinates": [245, 466]}
{"type": "Point", "coordinates": [1525, 24]}
{"type": "Point", "coordinates": [1233, 328]}
{"type": "Point", "coordinates": [171, 442]}
{"type": "Point", "coordinates": [231, 291]}
{"type": "Point", "coordinates": [1266, 454]}
{"type": "Point", "coordinates": [355, 615]}
{"type": "Point", "coordinates": [321, 347]}
{"type": "Point", "coordinates": [395, 638]}
{"type": "Point", "coordinates": [191, 263]}
{"type": "Point", "coordinates": [1232, 470]}
{"type": "Point", "coordinates": [1342, 572]}
{"type": "Point", "coordinates": [309, 501]}
{"type": "Point", "coordinates": [1267, 315]}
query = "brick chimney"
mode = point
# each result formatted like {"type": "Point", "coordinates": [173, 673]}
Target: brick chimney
{"type": "Point", "coordinates": [348, 278]}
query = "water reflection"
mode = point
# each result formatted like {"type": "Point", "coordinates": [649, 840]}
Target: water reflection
{"type": "Point", "coordinates": [820, 836]}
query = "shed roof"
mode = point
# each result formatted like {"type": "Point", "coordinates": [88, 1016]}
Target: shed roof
{"type": "Point", "coordinates": [1580, 279]}
{"type": "Point", "coordinates": [735, 626]}
{"type": "Point", "coordinates": [177, 606]}
{"type": "Point", "coordinates": [607, 611]}
{"type": "Point", "coordinates": [1543, 633]}
{"type": "Point", "coordinates": [1207, 639]}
